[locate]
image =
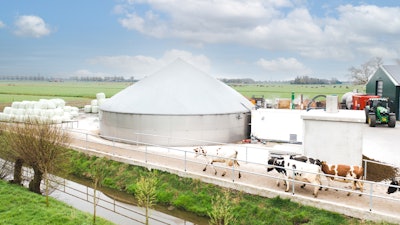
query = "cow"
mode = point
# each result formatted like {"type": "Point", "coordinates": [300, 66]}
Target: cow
{"type": "Point", "coordinates": [394, 186]}
{"type": "Point", "coordinates": [227, 156]}
{"type": "Point", "coordinates": [356, 173]}
{"type": "Point", "coordinates": [297, 170]}
{"type": "Point", "coordinates": [306, 159]}
{"type": "Point", "coordinates": [303, 158]}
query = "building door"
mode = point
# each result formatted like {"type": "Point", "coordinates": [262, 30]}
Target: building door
{"type": "Point", "coordinates": [379, 88]}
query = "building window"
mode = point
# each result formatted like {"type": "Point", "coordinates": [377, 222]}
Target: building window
{"type": "Point", "coordinates": [379, 88]}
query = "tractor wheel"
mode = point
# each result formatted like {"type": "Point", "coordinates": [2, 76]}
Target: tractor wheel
{"type": "Point", "coordinates": [372, 120]}
{"type": "Point", "coordinates": [392, 121]}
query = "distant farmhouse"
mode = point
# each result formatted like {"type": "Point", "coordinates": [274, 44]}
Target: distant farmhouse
{"type": "Point", "coordinates": [386, 83]}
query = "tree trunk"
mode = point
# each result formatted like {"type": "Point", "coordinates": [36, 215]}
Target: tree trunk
{"type": "Point", "coordinates": [17, 171]}
{"type": "Point", "coordinates": [34, 185]}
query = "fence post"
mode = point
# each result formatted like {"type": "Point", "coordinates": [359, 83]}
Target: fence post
{"type": "Point", "coordinates": [185, 160]}
{"type": "Point", "coordinates": [370, 197]}
{"type": "Point", "coordinates": [365, 169]}
{"type": "Point", "coordinates": [86, 141]}
{"type": "Point", "coordinates": [145, 153]}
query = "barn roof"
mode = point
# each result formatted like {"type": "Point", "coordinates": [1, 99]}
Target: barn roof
{"type": "Point", "coordinates": [393, 71]}
{"type": "Point", "coordinates": [178, 89]}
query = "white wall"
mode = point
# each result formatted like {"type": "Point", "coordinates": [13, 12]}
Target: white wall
{"type": "Point", "coordinates": [277, 124]}
{"type": "Point", "coordinates": [336, 138]}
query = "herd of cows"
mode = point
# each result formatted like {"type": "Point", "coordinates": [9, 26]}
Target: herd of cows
{"type": "Point", "coordinates": [295, 167]}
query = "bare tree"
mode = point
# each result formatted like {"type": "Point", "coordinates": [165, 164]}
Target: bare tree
{"type": "Point", "coordinates": [361, 74]}
{"type": "Point", "coordinates": [40, 146]}
{"type": "Point", "coordinates": [97, 174]}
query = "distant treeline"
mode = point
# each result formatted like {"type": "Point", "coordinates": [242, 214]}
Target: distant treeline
{"type": "Point", "coordinates": [105, 79]}
{"type": "Point", "coordinates": [311, 80]}
{"type": "Point", "coordinates": [60, 79]}
{"type": "Point", "coordinates": [297, 80]}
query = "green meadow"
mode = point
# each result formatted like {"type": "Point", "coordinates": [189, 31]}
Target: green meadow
{"type": "Point", "coordinates": [81, 93]}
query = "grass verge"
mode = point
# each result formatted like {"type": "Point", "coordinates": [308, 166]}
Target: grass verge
{"type": "Point", "coordinates": [20, 207]}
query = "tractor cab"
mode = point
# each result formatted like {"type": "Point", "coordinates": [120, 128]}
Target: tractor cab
{"type": "Point", "coordinates": [377, 111]}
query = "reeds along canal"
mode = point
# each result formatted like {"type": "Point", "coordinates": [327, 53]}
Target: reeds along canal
{"type": "Point", "coordinates": [118, 207]}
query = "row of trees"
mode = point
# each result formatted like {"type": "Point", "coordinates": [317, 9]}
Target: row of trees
{"type": "Point", "coordinates": [311, 80]}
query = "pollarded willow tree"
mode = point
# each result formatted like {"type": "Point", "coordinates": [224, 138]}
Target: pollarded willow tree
{"type": "Point", "coordinates": [41, 146]}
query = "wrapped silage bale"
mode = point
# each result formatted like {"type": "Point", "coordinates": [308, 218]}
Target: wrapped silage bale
{"type": "Point", "coordinates": [87, 108]}
{"type": "Point", "coordinates": [60, 103]}
{"type": "Point", "coordinates": [74, 112]}
{"type": "Point", "coordinates": [20, 112]}
{"type": "Point", "coordinates": [42, 104]}
{"type": "Point", "coordinates": [36, 111]}
{"type": "Point", "coordinates": [7, 110]}
{"type": "Point", "coordinates": [58, 112]}
{"type": "Point", "coordinates": [94, 102]}
{"type": "Point", "coordinates": [95, 109]}
{"type": "Point", "coordinates": [100, 95]}
{"type": "Point", "coordinates": [15, 105]}
{"type": "Point", "coordinates": [51, 104]}
{"type": "Point", "coordinates": [3, 116]}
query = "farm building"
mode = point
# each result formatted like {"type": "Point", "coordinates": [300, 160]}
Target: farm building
{"type": "Point", "coordinates": [176, 106]}
{"type": "Point", "coordinates": [386, 83]}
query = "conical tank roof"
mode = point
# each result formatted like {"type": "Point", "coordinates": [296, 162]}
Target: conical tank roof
{"type": "Point", "coordinates": [178, 89]}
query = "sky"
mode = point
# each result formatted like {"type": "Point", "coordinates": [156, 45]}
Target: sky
{"type": "Point", "coordinates": [265, 40]}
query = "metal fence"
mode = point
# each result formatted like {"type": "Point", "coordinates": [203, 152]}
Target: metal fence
{"type": "Point", "coordinates": [181, 160]}
{"type": "Point", "coordinates": [132, 214]}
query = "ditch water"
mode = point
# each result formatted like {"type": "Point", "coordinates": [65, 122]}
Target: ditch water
{"type": "Point", "coordinates": [115, 206]}
{"type": "Point", "coordinates": [119, 207]}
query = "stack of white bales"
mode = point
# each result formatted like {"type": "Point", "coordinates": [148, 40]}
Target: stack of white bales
{"type": "Point", "coordinates": [95, 103]}
{"type": "Point", "coordinates": [44, 110]}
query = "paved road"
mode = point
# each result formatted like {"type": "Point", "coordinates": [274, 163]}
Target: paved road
{"type": "Point", "coordinates": [382, 143]}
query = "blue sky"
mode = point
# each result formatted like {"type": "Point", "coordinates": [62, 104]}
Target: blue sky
{"type": "Point", "coordinates": [259, 39]}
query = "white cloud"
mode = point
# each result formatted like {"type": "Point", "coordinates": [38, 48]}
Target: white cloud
{"type": "Point", "coordinates": [341, 33]}
{"type": "Point", "coordinates": [141, 66]}
{"type": "Point", "coordinates": [31, 26]}
{"type": "Point", "coordinates": [284, 66]}
{"type": "Point", "coordinates": [2, 24]}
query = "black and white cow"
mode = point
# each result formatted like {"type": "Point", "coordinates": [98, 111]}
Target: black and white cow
{"type": "Point", "coordinates": [303, 158]}
{"type": "Point", "coordinates": [297, 170]}
{"type": "Point", "coordinates": [394, 186]}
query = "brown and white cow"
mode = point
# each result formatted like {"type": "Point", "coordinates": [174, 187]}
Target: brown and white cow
{"type": "Point", "coordinates": [344, 171]}
{"type": "Point", "coordinates": [219, 155]}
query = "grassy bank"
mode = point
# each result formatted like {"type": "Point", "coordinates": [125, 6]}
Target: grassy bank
{"type": "Point", "coordinates": [20, 207]}
{"type": "Point", "coordinates": [195, 196]}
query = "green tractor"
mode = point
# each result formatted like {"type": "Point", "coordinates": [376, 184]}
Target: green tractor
{"type": "Point", "coordinates": [377, 111]}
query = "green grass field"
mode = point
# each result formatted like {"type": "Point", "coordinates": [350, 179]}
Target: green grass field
{"type": "Point", "coordinates": [19, 206]}
{"type": "Point", "coordinates": [81, 93]}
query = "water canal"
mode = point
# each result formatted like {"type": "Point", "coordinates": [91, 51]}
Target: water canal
{"type": "Point", "coordinates": [119, 207]}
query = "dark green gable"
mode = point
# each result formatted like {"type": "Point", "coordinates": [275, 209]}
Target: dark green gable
{"type": "Point", "coordinates": [387, 77]}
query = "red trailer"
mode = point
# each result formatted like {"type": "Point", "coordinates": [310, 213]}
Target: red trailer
{"type": "Point", "coordinates": [359, 101]}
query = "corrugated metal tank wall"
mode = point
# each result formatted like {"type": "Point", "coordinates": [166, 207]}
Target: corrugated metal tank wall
{"type": "Point", "coordinates": [175, 130]}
